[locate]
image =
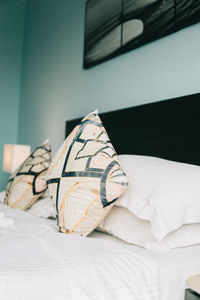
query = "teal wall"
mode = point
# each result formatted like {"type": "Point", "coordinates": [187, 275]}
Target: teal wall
{"type": "Point", "coordinates": [56, 88]}
{"type": "Point", "coordinates": [11, 39]}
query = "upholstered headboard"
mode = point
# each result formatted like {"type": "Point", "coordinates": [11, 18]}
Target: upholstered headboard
{"type": "Point", "coordinates": [168, 129]}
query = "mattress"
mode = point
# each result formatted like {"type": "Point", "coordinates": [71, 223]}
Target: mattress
{"type": "Point", "coordinates": [37, 262]}
{"type": "Point", "coordinates": [175, 266]}
{"type": "Point", "coordinates": [33, 253]}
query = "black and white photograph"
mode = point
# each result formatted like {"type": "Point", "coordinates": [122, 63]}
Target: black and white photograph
{"type": "Point", "coordinates": [113, 27]}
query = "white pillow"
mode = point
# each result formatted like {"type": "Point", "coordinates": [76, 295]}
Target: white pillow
{"type": "Point", "coordinates": [123, 224]}
{"type": "Point", "coordinates": [164, 192]}
{"type": "Point", "coordinates": [2, 196]}
{"type": "Point", "coordinates": [43, 208]}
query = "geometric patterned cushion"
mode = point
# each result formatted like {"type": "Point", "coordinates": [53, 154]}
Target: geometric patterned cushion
{"type": "Point", "coordinates": [28, 183]}
{"type": "Point", "coordinates": [85, 177]}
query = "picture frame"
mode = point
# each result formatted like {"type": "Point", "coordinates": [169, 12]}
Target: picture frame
{"type": "Point", "coordinates": [113, 27]}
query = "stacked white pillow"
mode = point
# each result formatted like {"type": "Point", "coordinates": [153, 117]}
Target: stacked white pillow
{"type": "Point", "coordinates": [123, 224]}
{"type": "Point", "coordinates": [162, 203]}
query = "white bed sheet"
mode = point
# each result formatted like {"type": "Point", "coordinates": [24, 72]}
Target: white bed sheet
{"type": "Point", "coordinates": [175, 266]}
{"type": "Point", "coordinates": [37, 262]}
{"type": "Point", "coordinates": [34, 237]}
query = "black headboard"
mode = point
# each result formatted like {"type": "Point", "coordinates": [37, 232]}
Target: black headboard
{"type": "Point", "coordinates": [168, 129]}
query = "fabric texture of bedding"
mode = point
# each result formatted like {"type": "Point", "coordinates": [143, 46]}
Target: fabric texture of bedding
{"type": "Point", "coordinates": [28, 183]}
{"type": "Point", "coordinates": [123, 224]}
{"type": "Point", "coordinates": [85, 177]}
{"type": "Point", "coordinates": [175, 266]}
{"type": "Point", "coordinates": [164, 192]}
{"type": "Point", "coordinates": [33, 254]}
{"type": "Point", "coordinates": [5, 222]}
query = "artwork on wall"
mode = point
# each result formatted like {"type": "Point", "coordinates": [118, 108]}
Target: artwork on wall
{"type": "Point", "coordinates": [113, 27]}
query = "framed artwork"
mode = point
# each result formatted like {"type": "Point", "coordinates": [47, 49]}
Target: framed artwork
{"type": "Point", "coordinates": [113, 27]}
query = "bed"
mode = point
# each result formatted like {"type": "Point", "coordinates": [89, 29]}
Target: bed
{"type": "Point", "coordinates": [38, 262]}
{"type": "Point", "coordinates": [170, 130]}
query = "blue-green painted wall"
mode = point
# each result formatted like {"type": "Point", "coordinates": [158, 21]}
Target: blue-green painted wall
{"type": "Point", "coordinates": [12, 15]}
{"type": "Point", "coordinates": [56, 88]}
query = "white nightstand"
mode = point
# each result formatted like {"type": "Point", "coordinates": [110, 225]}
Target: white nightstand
{"type": "Point", "coordinates": [193, 293]}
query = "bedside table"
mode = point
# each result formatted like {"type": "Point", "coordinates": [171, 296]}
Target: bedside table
{"type": "Point", "coordinates": [193, 293]}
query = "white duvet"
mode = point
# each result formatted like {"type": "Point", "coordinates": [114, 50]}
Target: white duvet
{"type": "Point", "coordinates": [38, 263]}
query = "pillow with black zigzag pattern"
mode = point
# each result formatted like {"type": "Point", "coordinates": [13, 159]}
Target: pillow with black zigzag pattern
{"type": "Point", "coordinates": [85, 177]}
{"type": "Point", "coordinates": [28, 182]}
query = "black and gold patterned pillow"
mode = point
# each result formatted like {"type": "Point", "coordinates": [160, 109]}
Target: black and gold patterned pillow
{"type": "Point", "coordinates": [28, 183]}
{"type": "Point", "coordinates": [85, 177]}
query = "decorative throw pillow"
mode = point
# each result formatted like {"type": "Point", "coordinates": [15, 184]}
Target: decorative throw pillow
{"type": "Point", "coordinates": [85, 177]}
{"type": "Point", "coordinates": [28, 183]}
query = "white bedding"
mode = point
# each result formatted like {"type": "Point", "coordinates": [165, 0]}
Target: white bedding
{"type": "Point", "coordinates": [36, 262]}
{"type": "Point", "coordinates": [175, 266]}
